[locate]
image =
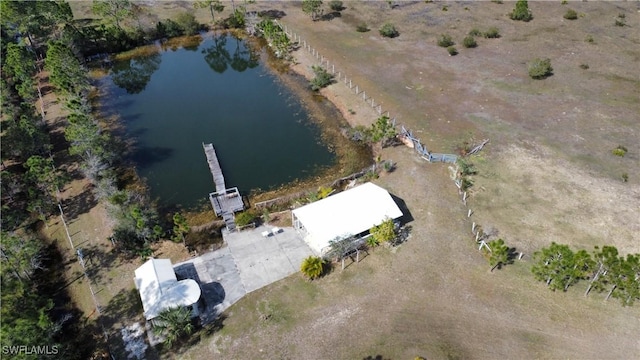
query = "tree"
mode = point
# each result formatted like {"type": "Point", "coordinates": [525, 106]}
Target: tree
{"type": "Point", "coordinates": [173, 324]}
{"type": "Point", "coordinates": [42, 172]}
{"type": "Point", "coordinates": [384, 232]}
{"type": "Point", "coordinates": [552, 265]}
{"type": "Point", "coordinates": [383, 131]}
{"type": "Point", "coordinates": [66, 73]}
{"type": "Point", "coordinates": [115, 11]}
{"type": "Point", "coordinates": [626, 282]}
{"type": "Point", "coordinates": [312, 8]}
{"type": "Point", "coordinates": [180, 227]}
{"type": "Point", "coordinates": [540, 68]}
{"type": "Point", "coordinates": [322, 78]}
{"type": "Point", "coordinates": [188, 23]}
{"type": "Point", "coordinates": [215, 6]}
{"type": "Point", "coordinates": [312, 267]}
{"type": "Point", "coordinates": [340, 246]}
{"type": "Point", "coordinates": [521, 12]}
{"type": "Point", "coordinates": [499, 255]}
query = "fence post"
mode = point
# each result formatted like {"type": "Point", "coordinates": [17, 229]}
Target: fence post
{"type": "Point", "coordinates": [364, 95]}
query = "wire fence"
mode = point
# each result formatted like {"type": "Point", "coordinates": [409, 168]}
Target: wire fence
{"type": "Point", "coordinates": [358, 91]}
{"type": "Point", "coordinates": [405, 134]}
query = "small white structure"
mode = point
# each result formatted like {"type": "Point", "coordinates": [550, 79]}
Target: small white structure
{"type": "Point", "coordinates": [160, 289]}
{"type": "Point", "coordinates": [345, 214]}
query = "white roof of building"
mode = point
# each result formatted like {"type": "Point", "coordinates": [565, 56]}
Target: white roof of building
{"type": "Point", "coordinates": [160, 289]}
{"type": "Point", "coordinates": [344, 214]}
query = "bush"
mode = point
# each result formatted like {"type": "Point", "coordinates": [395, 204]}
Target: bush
{"type": "Point", "coordinates": [336, 5]}
{"type": "Point", "coordinates": [584, 66]}
{"type": "Point", "coordinates": [452, 50]}
{"type": "Point", "coordinates": [362, 27]}
{"type": "Point", "coordinates": [492, 33]}
{"type": "Point", "coordinates": [571, 14]}
{"type": "Point", "coordinates": [589, 39]}
{"type": "Point", "coordinates": [540, 68]}
{"type": "Point", "coordinates": [475, 32]}
{"type": "Point", "coordinates": [312, 267]}
{"type": "Point", "coordinates": [469, 42]}
{"type": "Point", "coordinates": [322, 79]}
{"type": "Point", "coordinates": [619, 151]}
{"type": "Point", "coordinates": [384, 232]}
{"type": "Point", "coordinates": [188, 23]}
{"type": "Point", "coordinates": [521, 12]}
{"type": "Point", "coordinates": [168, 28]}
{"type": "Point", "coordinates": [388, 30]}
{"type": "Point", "coordinates": [245, 218]}
{"type": "Point", "coordinates": [445, 41]}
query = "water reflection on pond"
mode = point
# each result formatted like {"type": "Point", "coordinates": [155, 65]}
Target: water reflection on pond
{"type": "Point", "coordinates": [172, 98]}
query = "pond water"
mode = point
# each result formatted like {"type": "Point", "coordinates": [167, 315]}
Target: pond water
{"type": "Point", "coordinates": [171, 100]}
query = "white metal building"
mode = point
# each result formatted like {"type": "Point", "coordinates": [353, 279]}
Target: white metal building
{"type": "Point", "coordinates": [348, 213]}
{"type": "Point", "coordinates": [160, 289]}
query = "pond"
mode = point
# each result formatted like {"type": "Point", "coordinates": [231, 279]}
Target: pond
{"type": "Point", "coordinates": [172, 99]}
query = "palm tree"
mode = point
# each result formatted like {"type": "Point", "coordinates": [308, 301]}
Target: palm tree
{"type": "Point", "coordinates": [173, 324]}
{"type": "Point", "coordinates": [312, 267]}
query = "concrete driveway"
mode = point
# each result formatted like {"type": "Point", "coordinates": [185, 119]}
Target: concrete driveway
{"type": "Point", "coordinates": [248, 262]}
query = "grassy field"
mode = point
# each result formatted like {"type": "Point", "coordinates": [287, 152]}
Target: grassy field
{"type": "Point", "coordinates": [547, 175]}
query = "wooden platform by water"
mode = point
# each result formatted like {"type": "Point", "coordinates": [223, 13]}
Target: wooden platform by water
{"type": "Point", "coordinates": [225, 202]}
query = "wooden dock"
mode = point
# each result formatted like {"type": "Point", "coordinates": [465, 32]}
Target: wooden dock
{"type": "Point", "coordinates": [225, 202]}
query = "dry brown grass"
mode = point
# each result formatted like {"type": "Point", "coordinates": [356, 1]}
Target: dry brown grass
{"type": "Point", "coordinates": [548, 175]}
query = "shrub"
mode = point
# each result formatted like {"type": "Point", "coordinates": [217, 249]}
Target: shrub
{"type": "Point", "coordinates": [469, 42]}
{"type": "Point", "coordinates": [620, 22]}
{"type": "Point", "coordinates": [322, 78]}
{"type": "Point", "coordinates": [619, 151]}
{"type": "Point", "coordinates": [492, 33]}
{"type": "Point", "coordinates": [362, 27]}
{"type": "Point", "coordinates": [384, 232]}
{"type": "Point", "coordinates": [445, 41]}
{"type": "Point", "coordinates": [388, 30]}
{"type": "Point", "coordinates": [312, 267]}
{"type": "Point", "coordinates": [589, 39]}
{"type": "Point", "coordinates": [336, 5]}
{"type": "Point", "coordinates": [475, 32]}
{"type": "Point", "coordinates": [625, 177]}
{"type": "Point", "coordinates": [188, 23]}
{"type": "Point", "coordinates": [452, 50]}
{"type": "Point", "coordinates": [445, 8]}
{"type": "Point", "coordinates": [540, 68]}
{"type": "Point", "coordinates": [584, 66]}
{"type": "Point", "coordinates": [521, 12]}
{"type": "Point", "coordinates": [564, 2]}
{"type": "Point", "coordinates": [571, 14]}
{"type": "Point", "coordinates": [245, 218]}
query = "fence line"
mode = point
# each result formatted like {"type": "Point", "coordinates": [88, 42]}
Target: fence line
{"type": "Point", "coordinates": [405, 135]}
{"type": "Point", "coordinates": [369, 100]}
